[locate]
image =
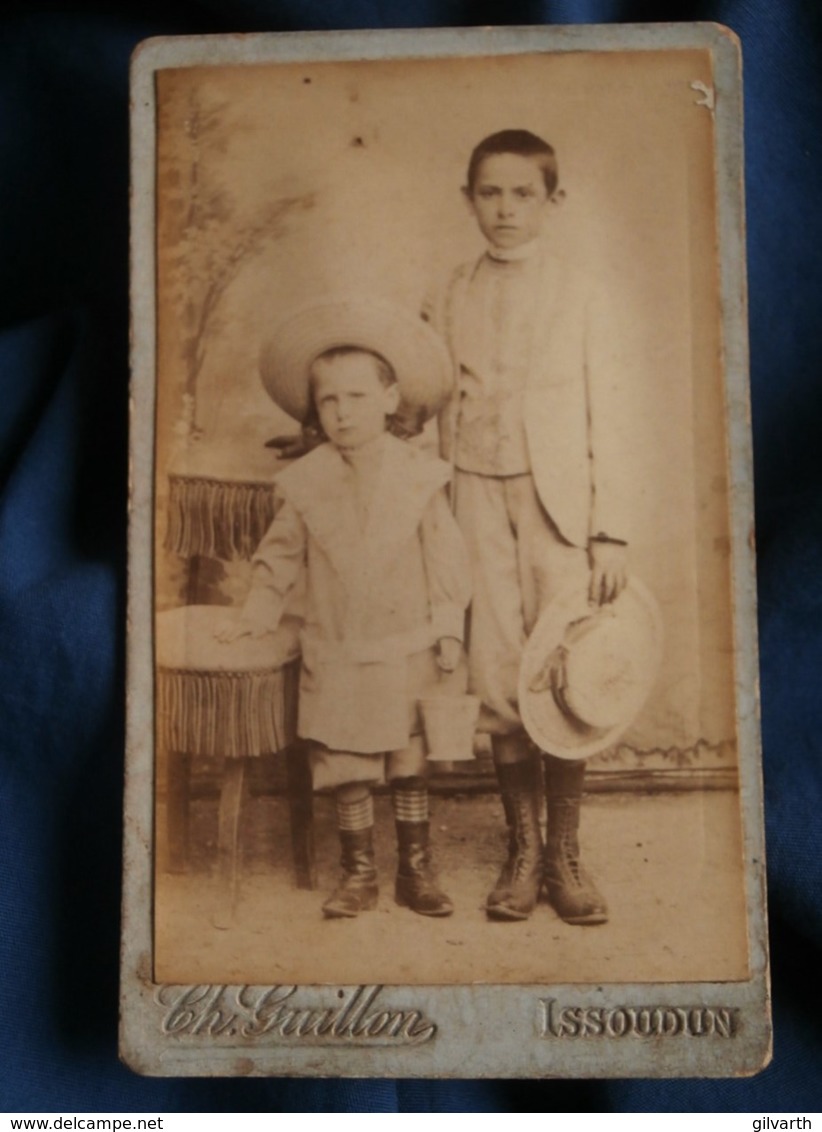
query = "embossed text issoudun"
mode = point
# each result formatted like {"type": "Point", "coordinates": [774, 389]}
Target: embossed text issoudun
{"type": "Point", "coordinates": [636, 1021]}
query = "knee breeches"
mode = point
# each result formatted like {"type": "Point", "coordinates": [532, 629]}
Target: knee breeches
{"type": "Point", "coordinates": [519, 562]}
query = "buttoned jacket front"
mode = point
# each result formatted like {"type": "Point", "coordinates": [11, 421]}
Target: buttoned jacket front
{"type": "Point", "coordinates": [574, 398]}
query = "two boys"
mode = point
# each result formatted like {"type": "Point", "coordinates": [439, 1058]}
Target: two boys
{"type": "Point", "coordinates": [526, 432]}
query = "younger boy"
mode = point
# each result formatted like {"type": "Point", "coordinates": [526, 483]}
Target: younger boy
{"type": "Point", "coordinates": [531, 432]}
{"type": "Point", "coordinates": [365, 523]}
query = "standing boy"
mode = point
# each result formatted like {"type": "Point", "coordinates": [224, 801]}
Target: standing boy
{"type": "Point", "coordinates": [365, 524]}
{"type": "Point", "coordinates": [532, 432]}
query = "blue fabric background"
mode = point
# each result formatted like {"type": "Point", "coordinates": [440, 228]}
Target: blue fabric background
{"type": "Point", "coordinates": [63, 426]}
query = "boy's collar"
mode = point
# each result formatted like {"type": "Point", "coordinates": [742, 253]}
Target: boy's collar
{"type": "Point", "coordinates": [514, 255]}
{"type": "Point", "coordinates": [366, 453]}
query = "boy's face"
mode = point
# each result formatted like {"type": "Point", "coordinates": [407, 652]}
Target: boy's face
{"type": "Point", "coordinates": [352, 402]}
{"type": "Point", "coordinates": [509, 199]}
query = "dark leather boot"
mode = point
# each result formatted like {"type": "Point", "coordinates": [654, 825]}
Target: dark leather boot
{"type": "Point", "coordinates": [357, 890]}
{"type": "Point", "coordinates": [500, 889]}
{"type": "Point", "coordinates": [514, 896]}
{"type": "Point", "coordinates": [568, 884]}
{"type": "Point", "coordinates": [417, 886]}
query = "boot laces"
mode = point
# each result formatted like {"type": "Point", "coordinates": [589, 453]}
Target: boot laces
{"type": "Point", "coordinates": [521, 869]}
{"type": "Point", "coordinates": [567, 859]}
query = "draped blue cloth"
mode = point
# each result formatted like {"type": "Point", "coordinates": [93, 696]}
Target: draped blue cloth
{"type": "Point", "coordinates": [63, 431]}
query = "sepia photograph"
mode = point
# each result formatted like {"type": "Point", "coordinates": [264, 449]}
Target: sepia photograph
{"type": "Point", "coordinates": [442, 477]}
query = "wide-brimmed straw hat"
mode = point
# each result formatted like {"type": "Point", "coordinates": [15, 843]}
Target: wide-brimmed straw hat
{"type": "Point", "coordinates": [587, 670]}
{"type": "Point", "coordinates": [417, 355]}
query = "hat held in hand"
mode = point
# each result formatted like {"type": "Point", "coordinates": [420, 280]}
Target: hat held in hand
{"type": "Point", "coordinates": [587, 670]}
{"type": "Point", "coordinates": [417, 355]}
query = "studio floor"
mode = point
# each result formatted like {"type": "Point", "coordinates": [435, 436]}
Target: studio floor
{"type": "Point", "coordinates": [669, 865]}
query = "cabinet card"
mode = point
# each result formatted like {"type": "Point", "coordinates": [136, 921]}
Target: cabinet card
{"type": "Point", "coordinates": [441, 559]}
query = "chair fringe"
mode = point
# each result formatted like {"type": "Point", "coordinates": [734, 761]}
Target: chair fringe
{"type": "Point", "coordinates": [217, 518]}
{"type": "Point", "coordinates": [228, 714]}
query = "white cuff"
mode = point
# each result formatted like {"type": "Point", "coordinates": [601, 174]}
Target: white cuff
{"type": "Point", "coordinates": [448, 621]}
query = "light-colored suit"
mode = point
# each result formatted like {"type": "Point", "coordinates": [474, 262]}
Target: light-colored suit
{"type": "Point", "coordinates": [573, 396]}
{"type": "Point", "coordinates": [535, 433]}
{"type": "Point", "coordinates": [383, 585]}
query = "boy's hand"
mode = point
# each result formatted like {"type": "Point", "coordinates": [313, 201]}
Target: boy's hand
{"type": "Point", "coordinates": [235, 627]}
{"type": "Point", "coordinates": [449, 652]}
{"type": "Point", "coordinates": [609, 570]}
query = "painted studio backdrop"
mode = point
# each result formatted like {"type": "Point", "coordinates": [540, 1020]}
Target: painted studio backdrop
{"type": "Point", "coordinates": [278, 185]}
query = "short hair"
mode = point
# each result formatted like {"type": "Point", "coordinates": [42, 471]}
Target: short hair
{"type": "Point", "coordinates": [384, 369]}
{"type": "Point", "coordinates": [522, 143]}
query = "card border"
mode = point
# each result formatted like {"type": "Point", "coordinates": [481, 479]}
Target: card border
{"type": "Point", "coordinates": [475, 1031]}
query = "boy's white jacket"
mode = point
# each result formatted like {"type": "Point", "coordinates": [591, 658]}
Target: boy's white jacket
{"type": "Point", "coordinates": [579, 381]}
{"type": "Point", "coordinates": [376, 595]}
